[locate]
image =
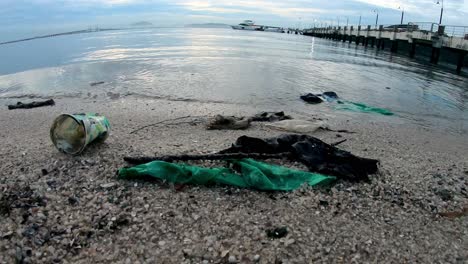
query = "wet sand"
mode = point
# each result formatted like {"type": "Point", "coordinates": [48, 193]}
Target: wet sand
{"type": "Point", "coordinates": [73, 209]}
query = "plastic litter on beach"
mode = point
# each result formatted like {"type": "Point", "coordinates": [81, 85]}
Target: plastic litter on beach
{"type": "Point", "coordinates": [325, 128]}
{"type": "Point", "coordinates": [317, 155]}
{"type": "Point", "coordinates": [270, 117]}
{"type": "Point", "coordinates": [34, 104]}
{"type": "Point", "coordinates": [319, 98]}
{"type": "Point", "coordinates": [245, 173]}
{"type": "Point", "coordinates": [360, 107]}
{"type": "Point", "coordinates": [278, 232]}
{"type": "Point", "coordinates": [221, 122]}
{"type": "Point", "coordinates": [228, 122]}
{"type": "Point", "coordinates": [216, 156]}
{"type": "Point", "coordinates": [72, 133]}
{"type": "Point", "coordinates": [193, 120]}
{"type": "Point", "coordinates": [311, 98]}
{"type": "Point", "coordinates": [330, 96]}
{"type": "Point", "coordinates": [343, 105]}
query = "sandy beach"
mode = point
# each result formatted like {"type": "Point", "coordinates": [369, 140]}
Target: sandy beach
{"type": "Point", "coordinates": [56, 208]}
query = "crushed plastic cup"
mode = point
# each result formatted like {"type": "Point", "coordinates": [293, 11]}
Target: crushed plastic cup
{"type": "Point", "coordinates": [71, 133]}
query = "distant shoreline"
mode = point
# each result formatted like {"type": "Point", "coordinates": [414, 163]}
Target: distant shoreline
{"type": "Point", "coordinates": [99, 30]}
{"type": "Point", "coordinates": [57, 35]}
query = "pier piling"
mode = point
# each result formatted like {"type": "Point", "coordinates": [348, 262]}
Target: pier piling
{"type": "Point", "coordinates": [422, 36]}
{"type": "Point", "coordinates": [435, 54]}
{"type": "Point", "coordinates": [394, 47]}
{"type": "Point", "coordinates": [412, 53]}
{"type": "Point", "coordinates": [461, 60]}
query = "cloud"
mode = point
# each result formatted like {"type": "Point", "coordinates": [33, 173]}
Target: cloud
{"type": "Point", "coordinates": [288, 9]}
{"type": "Point", "coordinates": [329, 11]}
{"type": "Point", "coordinates": [424, 8]}
{"type": "Point", "coordinates": [47, 13]}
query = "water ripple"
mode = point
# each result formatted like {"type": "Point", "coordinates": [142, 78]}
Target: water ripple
{"type": "Point", "coordinates": [268, 70]}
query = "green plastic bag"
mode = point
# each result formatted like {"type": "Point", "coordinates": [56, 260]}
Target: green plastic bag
{"type": "Point", "coordinates": [359, 107]}
{"type": "Point", "coordinates": [253, 174]}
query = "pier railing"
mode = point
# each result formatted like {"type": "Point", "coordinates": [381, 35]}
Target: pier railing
{"type": "Point", "coordinates": [436, 36]}
{"type": "Point", "coordinates": [425, 27]}
{"type": "Point", "coordinates": [457, 31]}
{"type": "Point", "coordinates": [428, 27]}
{"type": "Point", "coordinates": [449, 30]}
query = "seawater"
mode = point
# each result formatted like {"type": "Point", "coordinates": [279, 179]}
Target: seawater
{"type": "Point", "coordinates": [266, 70]}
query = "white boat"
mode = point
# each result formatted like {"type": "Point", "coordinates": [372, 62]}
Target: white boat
{"type": "Point", "coordinates": [248, 25]}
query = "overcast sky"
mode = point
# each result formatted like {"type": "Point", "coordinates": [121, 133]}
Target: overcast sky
{"type": "Point", "coordinates": [55, 14]}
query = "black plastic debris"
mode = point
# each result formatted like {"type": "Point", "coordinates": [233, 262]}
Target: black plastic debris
{"type": "Point", "coordinates": [72, 200]}
{"type": "Point", "coordinates": [311, 98]}
{"type": "Point", "coordinates": [318, 98]}
{"type": "Point", "coordinates": [317, 155]}
{"type": "Point", "coordinates": [221, 122]}
{"type": "Point", "coordinates": [96, 83]}
{"type": "Point", "coordinates": [21, 105]}
{"type": "Point", "coordinates": [332, 95]}
{"type": "Point", "coordinates": [278, 232]}
{"type": "Point", "coordinates": [270, 117]}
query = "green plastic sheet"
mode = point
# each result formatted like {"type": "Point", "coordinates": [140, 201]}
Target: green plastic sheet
{"type": "Point", "coordinates": [360, 107]}
{"type": "Point", "coordinates": [253, 174]}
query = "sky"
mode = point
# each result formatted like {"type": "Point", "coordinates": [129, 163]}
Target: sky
{"type": "Point", "coordinates": [54, 15]}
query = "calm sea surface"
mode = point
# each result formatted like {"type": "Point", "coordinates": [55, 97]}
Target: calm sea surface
{"type": "Point", "coordinates": [267, 70]}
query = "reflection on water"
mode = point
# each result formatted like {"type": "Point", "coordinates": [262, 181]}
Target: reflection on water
{"type": "Point", "coordinates": [268, 70]}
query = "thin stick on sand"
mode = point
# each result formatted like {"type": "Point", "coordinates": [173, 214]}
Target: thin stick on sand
{"type": "Point", "coordinates": [162, 122]}
{"type": "Point", "coordinates": [143, 160]}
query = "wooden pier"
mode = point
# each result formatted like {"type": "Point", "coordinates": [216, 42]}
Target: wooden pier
{"type": "Point", "coordinates": [435, 36]}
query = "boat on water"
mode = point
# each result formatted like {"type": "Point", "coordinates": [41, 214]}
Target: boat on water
{"type": "Point", "coordinates": [250, 25]}
{"type": "Point", "coordinates": [247, 25]}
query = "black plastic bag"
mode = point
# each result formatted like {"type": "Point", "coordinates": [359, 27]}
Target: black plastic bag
{"type": "Point", "coordinates": [317, 155]}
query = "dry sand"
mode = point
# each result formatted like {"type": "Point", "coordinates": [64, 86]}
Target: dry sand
{"type": "Point", "coordinates": [57, 208]}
